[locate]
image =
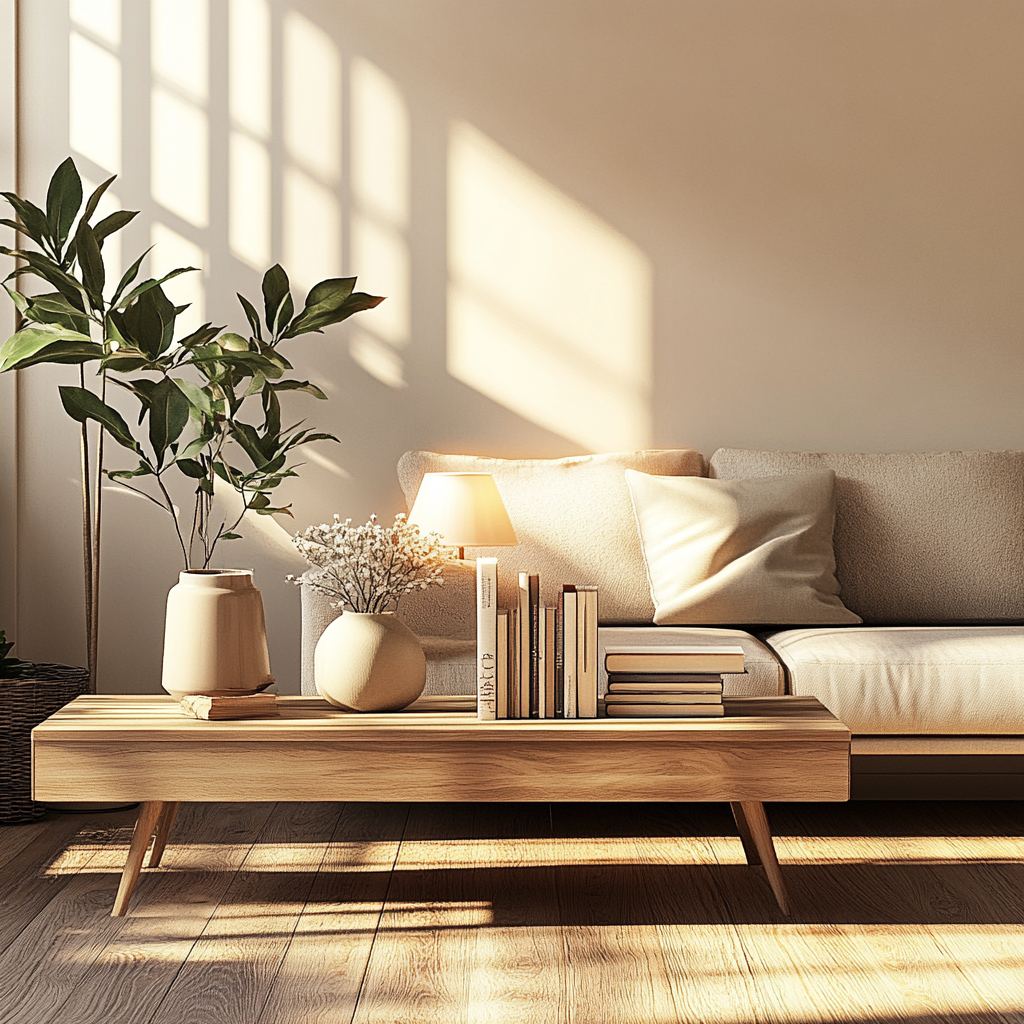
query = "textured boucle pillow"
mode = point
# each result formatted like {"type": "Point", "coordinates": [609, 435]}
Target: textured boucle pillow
{"type": "Point", "coordinates": [739, 551]}
{"type": "Point", "coordinates": [573, 518]}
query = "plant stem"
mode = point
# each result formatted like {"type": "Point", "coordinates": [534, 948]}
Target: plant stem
{"type": "Point", "coordinates": [87, 530]}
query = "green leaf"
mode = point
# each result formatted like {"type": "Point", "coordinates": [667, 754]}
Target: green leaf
{"type": "Point", "coordinates": [258, 501]}
{"type": "Point", "coordinates": [129, 275]}
{"type": "Point", "coordinates": [257, 385]}
{"type": "Point", "coordinates": [196, 396]}
{"type": "Point", "coordinates": [33, 220]}
{"type": "Point", "coordinates": [90, 262]}
{"type": "Point", "coordinates": [200, 336]}
{"type": "Point", "coordinates": [21, 303]}
{"type": "Point", "coordinates": [191, 468]}
{"type": "Point", "coordinates": [126, 474]}
{"type": "Point", "coordinates": [113, 222]}
{"type": "Point", "coordinates": [33, 345]}
{"type": "Point", "coordinates": [277, 300]}
{"type": "Point", "coordinates": [63, 201]}
{"type": "Point", "coordinates": [195, 446]}
{"type": "Point", "coordinates": [149, 322]}
{"type": "Point", "coordinates": [53, 308]}
{"type": "Point", "coordinates": [168, 414]}
{"type": "Point", "coordinates": [42, 266]}
{"type": "Point", "coordinates": [150, 283]}
{"type": "Point", "coordinates": [251, 315]}
{"type": "Point", "coordinates": [271, 413]}
{"type": "Point", "coordinates": [250, 442]}
{"type": "Point", "coordinates": [94, 199]}
{"type": "Point", "coordinates": [298, 385]}
{"type": "Point", "coordinates": [324, 314]}
{"type": "Point", "coordinates": [230, 536]}
{"type": "Point", "coordinates": [82, 405]}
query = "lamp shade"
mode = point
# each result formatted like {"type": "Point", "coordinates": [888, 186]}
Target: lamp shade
{"type": "Point", "coordinates": [464, 508]}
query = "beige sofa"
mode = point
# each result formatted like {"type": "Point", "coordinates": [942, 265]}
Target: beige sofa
{"type": "Point", "coordinates": [929, 553]}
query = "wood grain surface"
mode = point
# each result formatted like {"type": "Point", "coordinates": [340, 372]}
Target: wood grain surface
{"type": "Point", "coordinates": [582, 913]}
{"type": "Point", "coordinates": [139, 748]}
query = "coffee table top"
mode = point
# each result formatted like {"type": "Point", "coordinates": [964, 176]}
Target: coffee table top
{"type": "Point", "coordinates": [107, 717]}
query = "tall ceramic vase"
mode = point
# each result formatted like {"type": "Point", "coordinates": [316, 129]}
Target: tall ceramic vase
{"type": "Point", "coordinates": [215, 635]}
{"type": "Point", "coordinates": [369, 662]}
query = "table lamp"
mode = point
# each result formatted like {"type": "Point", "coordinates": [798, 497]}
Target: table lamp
{"type": "Point", "coordinates": [465, 509]}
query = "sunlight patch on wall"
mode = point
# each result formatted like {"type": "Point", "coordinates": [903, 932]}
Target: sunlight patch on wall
{"type": "Point", "coordinates": [312, 230]}
{"type": "Point", "coordinates": [249, 66]}
{"type": "Point", "coordinates": [170, 251]}
{"type": "Point", "coordinates": [249, 172]}
{"type": "Point", "coordinates": [102, 18]}
{"type": "Point", "coordinates": [179, 175]}
{"type": "Point", "coordinates": [548, 306]}
{"type": "Point", "coordinates": [378, 249]}
{"type": "Point", "coordinates": [380, 145]}
{"type": "Point", "coordinates": [249, 201]}
{"type": "Point", "coordinates": [94, 103]}
{"type": "Point", "coordinates": [179, 45]}
{"type": "Point", "coordinates": [312, 98]}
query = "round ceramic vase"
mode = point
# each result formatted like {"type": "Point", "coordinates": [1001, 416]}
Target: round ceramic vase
{"type": "Point", "coordinates": [215, 635]}
{"type": "Point", "coordinates": [369, 662]}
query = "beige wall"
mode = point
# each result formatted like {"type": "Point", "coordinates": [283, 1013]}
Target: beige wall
{"type": "Point", "coordinates": [784, 224]}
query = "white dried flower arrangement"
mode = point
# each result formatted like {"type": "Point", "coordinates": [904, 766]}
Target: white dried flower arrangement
{"type": "Point", "coordinates": [369, 568]}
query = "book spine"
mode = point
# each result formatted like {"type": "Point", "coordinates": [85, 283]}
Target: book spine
{"type": "Point", "coordinates": [542, 665]}
{"type": "Point", "coordinates": [486, 637]}
{"type": "Point", "coordinates": [559, 659]}
{"type": "Point", "coordinates": [569, 617]}
{"type": "Point", "coordinates": [533, 583]}
{"type": "Point", "coordinates": [586, 640]}
{"type": "Point", "coordinates": [501, 678]}
{"type": "Point", "coordinates": [549, 662]}
{"type": "Point", "coordinates": [524, 645]}
{"type": "Point", "coordinates": [513, 662]}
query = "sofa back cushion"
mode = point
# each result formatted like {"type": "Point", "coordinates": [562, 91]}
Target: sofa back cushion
{"type": "Point", "coordinates": [573, 518]}
{"type": "Point", "coordinates": [932, 537]}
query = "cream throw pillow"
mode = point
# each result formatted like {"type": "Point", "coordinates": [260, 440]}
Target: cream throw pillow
{"type": "Point", "coordinates": [739, 551]}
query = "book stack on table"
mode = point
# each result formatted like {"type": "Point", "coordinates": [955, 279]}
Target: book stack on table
{"type": "Point", "coordinates": [668, 681]}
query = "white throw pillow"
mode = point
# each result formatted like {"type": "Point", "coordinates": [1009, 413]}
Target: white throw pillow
{"type": "Point", "coordinates": [739, 551]}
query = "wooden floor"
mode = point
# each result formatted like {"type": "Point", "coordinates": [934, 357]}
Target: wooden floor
{"type": "Point", "coordinates": [597, 914]}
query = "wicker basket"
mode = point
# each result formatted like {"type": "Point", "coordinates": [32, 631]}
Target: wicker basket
{"type": "Point", "coordinates": [24, 703]}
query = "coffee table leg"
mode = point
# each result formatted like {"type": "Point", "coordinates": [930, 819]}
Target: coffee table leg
{"type": "Point", "coordinates": [749, 849]}
{"type": "Point", "coordinates": [163, 830]}
{"type": "Point", "coordinates": [753, 827]}
{"type": "Point", "coordinates": [149, 813]}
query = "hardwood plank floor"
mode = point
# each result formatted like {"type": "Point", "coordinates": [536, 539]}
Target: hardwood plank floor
{"type": "Point", "coordinates": [575, 913]}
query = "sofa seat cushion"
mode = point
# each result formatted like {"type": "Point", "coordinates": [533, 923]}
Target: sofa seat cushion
{"type": "Point", "coordinates": [923, 538]}
{"type": "Point", "coordinates": [910, 680]}
{"type": "Point", "coordinates": [573, 518]}
{"type": "Point", "coordinates": [763, 677]}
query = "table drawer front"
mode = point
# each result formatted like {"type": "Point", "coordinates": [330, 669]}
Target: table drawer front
{"type": "Point", "coordinates": [812, 770]}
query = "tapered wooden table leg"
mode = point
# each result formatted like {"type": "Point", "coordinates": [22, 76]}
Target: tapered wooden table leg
{"type": "Point", "coordinates": [149, 813]}
{"type": "Point", "coordinates": [757, 825]}
{"type": "Point", "coordinates": [163, 830]}
{"type": "Point", "coordinates": [749, 849]}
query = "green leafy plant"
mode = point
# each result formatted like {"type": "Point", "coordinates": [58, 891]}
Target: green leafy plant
{"type": "Point", "coordinates": [208, 403]}
{"type": "Point", "coordinates": [10, 668]}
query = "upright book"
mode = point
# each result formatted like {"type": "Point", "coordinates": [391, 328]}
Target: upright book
{"type": "Point", "coordinates": [501, 677]}
{"type": "Point", "coordinates": [569, 650]}
{"type": "Point", "coordinates": [486, 638]}
{"type": "Point", "coordinates": [586, 648]}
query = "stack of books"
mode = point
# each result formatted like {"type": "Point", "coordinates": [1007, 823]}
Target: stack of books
{"type": "Point", "coordinates": [219, 709]}
{"type": "Point", "coordinates": [668, 681]}
{"type": "Point", "coordinates": [535, 661]}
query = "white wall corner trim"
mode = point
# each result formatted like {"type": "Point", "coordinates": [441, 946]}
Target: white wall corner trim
{"type": "Point", "coordinates": [8, 382]}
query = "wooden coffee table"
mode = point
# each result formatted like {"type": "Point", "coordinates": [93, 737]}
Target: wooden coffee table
{"type": "Point", "coordinates": [115, 748]}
